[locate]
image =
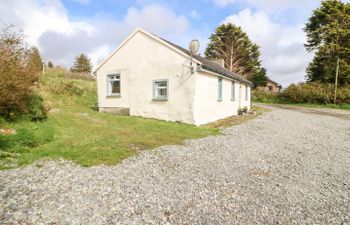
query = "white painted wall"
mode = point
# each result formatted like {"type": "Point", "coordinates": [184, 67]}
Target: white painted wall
{"type": "Point", "coordinates": [207, 108]}
{"type": "Point", "coordinates": [140, 61]}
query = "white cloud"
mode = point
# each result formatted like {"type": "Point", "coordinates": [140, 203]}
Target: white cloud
{"type": "Point", "coordinates": [270, 5]}
{"type": "Point", "coordinates": [84, 2]}
{"type": "Point", "coordinates": [283, 53]}
{"type": "Point", "coordinates": [223, 3]}
{"type": "Point", "coordinates": [155, 18]}
{"type": "Point", "coordinates": [47, 25]}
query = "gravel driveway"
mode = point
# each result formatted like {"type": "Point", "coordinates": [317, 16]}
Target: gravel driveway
{"type": "Point", "coordinates": [286, 167]}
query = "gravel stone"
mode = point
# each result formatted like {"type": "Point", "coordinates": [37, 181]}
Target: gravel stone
{"type": "Point", "coordinates": [285, 167]}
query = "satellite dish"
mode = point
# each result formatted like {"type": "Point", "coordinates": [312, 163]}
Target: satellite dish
{"type": "Point", "coordinates": [194, 47]}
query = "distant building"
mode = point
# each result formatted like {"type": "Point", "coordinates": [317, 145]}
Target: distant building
{"type": "Point", "coordinates": [271, 87]}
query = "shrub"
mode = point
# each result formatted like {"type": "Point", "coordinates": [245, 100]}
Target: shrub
{"type": "Point", "coordinates": [311, 93]}
{"type": "Point", "coordinates": [80, 76]}
{"type": "Point", "coordinates": [343, 95]}
{"type": "Point", "coordinates": [23, 137]}
{"type": "Point", "coordinates": [18, 74]}
{"type": "Point", "coordinates": [245, 109]}
{"type": "Point", "coordinates": [37, 110]}
{"type": "Point", "coordinates": [265, 97]}
{"type": "Point", "coordinates": [64, 87]}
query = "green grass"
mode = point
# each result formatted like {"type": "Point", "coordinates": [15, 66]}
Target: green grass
{"type": "Point", "coordinates": [329, 106]}
{"type": "Point", "coordinates": [75, 131]}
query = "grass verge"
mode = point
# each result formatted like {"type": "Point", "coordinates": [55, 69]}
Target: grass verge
{"type": "Point", "coordinates": [328, 106]}
{"type": "Point", "coordinates": [75, 131]}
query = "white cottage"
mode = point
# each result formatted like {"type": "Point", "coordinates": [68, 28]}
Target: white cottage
{"type": "Point", "coordinates": [150, 77]}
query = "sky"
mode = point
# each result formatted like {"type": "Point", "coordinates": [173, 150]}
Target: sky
{"type": "Point", "coordinates": [62, 29]}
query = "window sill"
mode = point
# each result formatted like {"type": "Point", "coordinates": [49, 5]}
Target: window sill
{"type": "Point", "coordinates": [160, 99]}
{"type": "Point", "coordinates": [219, 100]}
{"type": "Point", "coordinates": [114, 96]}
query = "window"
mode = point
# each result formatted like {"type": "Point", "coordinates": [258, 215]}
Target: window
{"type": "Point", "coordinates": [113, 85]}
{"type": "Point", "coordinates": [246, 92]}
{"type": "Point", "coordinates": [160, 89]}
{"type": "Point", "coordinates": [233, 90]}
{"type": "Point", "coordinates": [270, 88]}
{"type": "Point", "coordinates": [220, 89]}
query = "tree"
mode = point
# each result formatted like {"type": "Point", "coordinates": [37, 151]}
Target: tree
{"type": "Point", "coordinates": [50, 64]}
{"type": "Point", "coordinates": [17, 74]}
{"type": "Point", "coordinates": [35, 62]}
{"type": "Point", "coordinates": [328, 35]}
{"type": "Point", "coordinates": [82, 64]}
{"type": "Point", "coordinates": [241, 55]}
{"type": "Point", "coordinates": [259, 78]}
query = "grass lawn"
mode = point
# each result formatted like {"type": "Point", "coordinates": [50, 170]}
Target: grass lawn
{"type": "Point", "coordinates": [75, 131]}
{"type": "Point", "coordinates": [329, 106]}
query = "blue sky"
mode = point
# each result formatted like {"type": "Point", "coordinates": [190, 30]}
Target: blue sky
{"type": "Point", "coordinates": [64, 28]}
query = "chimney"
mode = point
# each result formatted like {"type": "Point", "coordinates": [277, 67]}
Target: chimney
{"type": "Point", "coordinates": [220, 62]}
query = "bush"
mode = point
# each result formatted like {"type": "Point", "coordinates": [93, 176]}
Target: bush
{"type": "Point", "coordinates": [245, 109]}
{"type": "Point", "coordinates": [34, 109]}
{"type": "Point", "coordinates": [310, 93]}
{"type": "Point", "coordinates": [265, 97]}
{"type": "Point", "coordinates": [61, 86]}
{"type": "Point", "coordinates": [343, 96]}
{"type": "Point", "coordinates": [37, 110]}
{"type": "Point", "coordinates": [80, 76]}
{"type": "Point", "coordinates": [64, 73]}
{"type": "Point", "coordinates": [23, 137]}
{"type": "Point", "coordinates": [314, 93]}
{"type": "Point", "coordinates": [60, 81]}
{"type": "Point", "coordinates": [18, 75]}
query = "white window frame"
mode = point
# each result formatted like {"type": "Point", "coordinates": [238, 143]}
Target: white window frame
{"type": "Point", "coordinates": [156, 97]}
{"type": "Point", "coordinates": [233, 91]}
{"type": "Point", "coordinates": [109, 86]}
{"type": "Point", "coordinates": [219, 89]}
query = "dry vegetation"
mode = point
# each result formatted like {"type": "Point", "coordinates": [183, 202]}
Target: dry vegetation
{"type": "Point", "coordinates": [19, 70]}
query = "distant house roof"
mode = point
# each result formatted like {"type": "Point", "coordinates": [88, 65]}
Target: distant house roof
{"type": "Point", "coordinates": [213, 67]}
{"type": "Point", "coordinates": [274, 82]}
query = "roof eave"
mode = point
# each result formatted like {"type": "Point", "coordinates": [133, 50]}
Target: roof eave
{"type": "Point", "coordinates": [242, 80]}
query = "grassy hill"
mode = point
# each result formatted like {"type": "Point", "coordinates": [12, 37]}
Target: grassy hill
{"type": "Point", "coordinates": [75, 131]}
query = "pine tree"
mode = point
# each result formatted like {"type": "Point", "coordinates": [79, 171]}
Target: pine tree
{"type": "Point", "coordinates": [259, 78]}
{"type": "Point", "coordinates": [241, 55]}
{"type": "Point", "coordinates": [328, 35]}
{"type": "Point", "coordinates": [50, 64]}
{"type": "Point", "coordinates": [82, 64]}
{"type": "Point", "coordinates": [35, 62]}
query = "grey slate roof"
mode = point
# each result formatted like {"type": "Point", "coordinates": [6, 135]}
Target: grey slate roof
{"type": "Point", "coordinates": [213, 67]}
